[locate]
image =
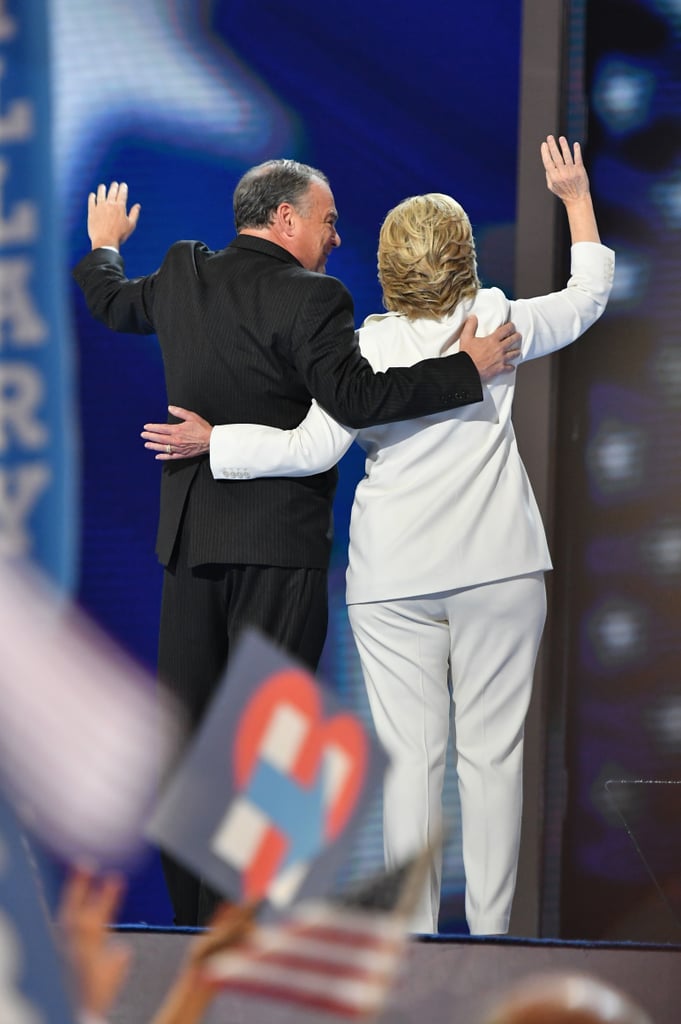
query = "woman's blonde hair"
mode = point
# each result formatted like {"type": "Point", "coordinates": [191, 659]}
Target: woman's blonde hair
{"type": "Point", "coordinates": [426, 257]}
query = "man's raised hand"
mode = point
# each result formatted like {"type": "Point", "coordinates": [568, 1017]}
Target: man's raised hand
{"type": "Point", "coordinates": [108, 220]}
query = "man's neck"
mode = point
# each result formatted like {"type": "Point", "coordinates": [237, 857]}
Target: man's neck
{"type": "Point", "coordinates": [271, 235]}
{"type": "Point", "coordinates": [267, 233]}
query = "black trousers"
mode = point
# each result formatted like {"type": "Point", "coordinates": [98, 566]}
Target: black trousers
{"type": "Point", "coordinates": [203, 611]}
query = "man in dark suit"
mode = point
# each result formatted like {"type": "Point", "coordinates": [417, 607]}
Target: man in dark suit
{"type": "Point", "coordinates": [250, 334]}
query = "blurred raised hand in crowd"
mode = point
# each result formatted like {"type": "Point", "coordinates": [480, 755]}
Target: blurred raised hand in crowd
{"type": "Point", "coordinates": [98, 961]}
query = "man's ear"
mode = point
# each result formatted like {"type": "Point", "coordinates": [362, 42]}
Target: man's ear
{"type": "Point", "coordinates": [285, 219]}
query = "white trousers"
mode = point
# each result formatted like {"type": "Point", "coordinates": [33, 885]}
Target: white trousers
{"type": "Point", "coordinates": [476, 647]}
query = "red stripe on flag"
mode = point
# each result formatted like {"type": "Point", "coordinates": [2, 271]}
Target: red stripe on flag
{"type": "Point", "coordinates": [344, 937]}
{"type": "Point", "coordinates": [331, 967]}
{"type": "Point", "coordinates": [319, 966]}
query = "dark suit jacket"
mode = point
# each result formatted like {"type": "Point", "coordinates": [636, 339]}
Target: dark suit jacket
{"type": "Point", "coordinates": [248, 335]}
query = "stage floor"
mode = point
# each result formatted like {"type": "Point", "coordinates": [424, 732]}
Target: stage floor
{"type": "Point", "coordinates": [443, 980]}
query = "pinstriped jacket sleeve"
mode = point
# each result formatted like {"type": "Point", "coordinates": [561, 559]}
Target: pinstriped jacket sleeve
{"type": "Point", "coordinates": [343, 381]}
{"type": "Point", "coordinates": [122, 304]}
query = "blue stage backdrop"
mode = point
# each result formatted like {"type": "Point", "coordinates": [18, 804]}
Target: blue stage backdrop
{"type": "Point", "coordinates": [178, 99]}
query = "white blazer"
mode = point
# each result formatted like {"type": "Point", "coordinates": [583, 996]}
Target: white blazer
{"type": "Point", "coordinates": [446, 501]}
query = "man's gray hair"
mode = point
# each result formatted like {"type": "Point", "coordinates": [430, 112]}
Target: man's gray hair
{"type": "Point", "coordinates": [263, 188]}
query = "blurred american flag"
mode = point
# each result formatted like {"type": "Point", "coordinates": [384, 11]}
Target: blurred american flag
{"type": "Point", "coordinates": [337, 957]}
{"type": "Point", "coordinates": [323, 957]}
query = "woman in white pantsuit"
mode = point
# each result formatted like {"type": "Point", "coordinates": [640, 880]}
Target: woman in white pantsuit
{"type": "Point", "coordinates": [445, 584]}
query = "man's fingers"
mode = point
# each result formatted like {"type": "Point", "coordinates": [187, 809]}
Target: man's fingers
{"type": "Point", "coordinates": [181, 414]}
{"type": "Point", "coordinates": [469, 328]}
{"type": "Point", "coordinates": [117, 192]}
{"type": "Point", "coordinates": [504, 330]}
{"type": "Point", "coordinates": [101, 193]}
{"type": "Point", "coordinates": [506, 336]}
{"type": "Point", "coordinates": [512, 342]}
{"type": "Point", "coordinates": [159, 428]}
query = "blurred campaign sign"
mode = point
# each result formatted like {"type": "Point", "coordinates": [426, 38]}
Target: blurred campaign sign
{"type": "Point", "coordinates": [269, 794]}
{"type": "Point", "coordinates": [85, 733]}
{"type": "Point", "coordinates": [32, 985]}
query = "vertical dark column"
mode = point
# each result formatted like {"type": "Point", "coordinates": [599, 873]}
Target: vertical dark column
{"type": "Point", "coordinates": [537, 270]}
